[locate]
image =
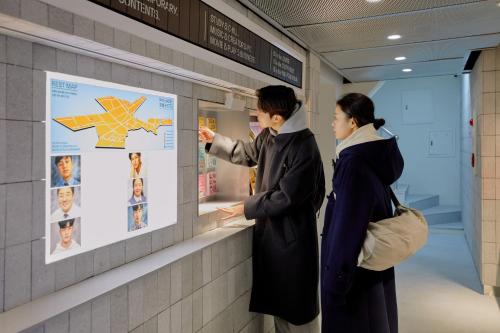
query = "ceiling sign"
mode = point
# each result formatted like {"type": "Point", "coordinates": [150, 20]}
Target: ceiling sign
{"type": "Point", "coordinates": [196, 22]}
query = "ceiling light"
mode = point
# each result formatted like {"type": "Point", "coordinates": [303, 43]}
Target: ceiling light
{"type": "Point", "coordinates": [407, 70]}
{"type": "Point", "coordinates": [393, 37]}
{"type": "Point", "coordinates": [400, 58]}
{"type": "Point", "coordinates": [373, 1]}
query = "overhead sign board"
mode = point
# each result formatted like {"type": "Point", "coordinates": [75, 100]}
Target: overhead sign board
{"type": "Point", "coordinates": [202, 25]}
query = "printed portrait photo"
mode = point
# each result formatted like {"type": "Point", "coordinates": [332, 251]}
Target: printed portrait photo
{"type": "Point", "coordinates": [65, 236]}
{"type": "Point", "coordinates": [137, 217]}
{"type": "Point", "coordinates": [137, 191]}
{"type": "Point", "coordinates": [65, 203]}
{"type": "Point", "coordinates": [137, 165]}
{"type": "Point", "coordinates": [65, 170]}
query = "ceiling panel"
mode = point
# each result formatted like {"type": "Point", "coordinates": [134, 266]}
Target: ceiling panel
{"type": "Point", "coordinates": [390, 72]}
{"type": "Point", "coordinates": [300, 12]}
{"type": "Point", "coordinates": [443, 23]}
{"type": "Point", "coordinates": [420, 52]}
{"type": "Point", "coordinates": [437, 35]}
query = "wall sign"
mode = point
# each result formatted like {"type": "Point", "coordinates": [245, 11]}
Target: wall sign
{"type": "Point", "coordinates": [200, 24]}
{"type": "Point", "coordinates": [111, 163]}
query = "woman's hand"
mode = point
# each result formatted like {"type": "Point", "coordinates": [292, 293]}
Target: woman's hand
{"type": "Point", "coordinates": [206, 135]}
{"type": "Point", "coordinates": [232, 211]}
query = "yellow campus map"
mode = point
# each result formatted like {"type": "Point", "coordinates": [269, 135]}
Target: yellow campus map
{"type": "Point", "coordinates": [113, 126]}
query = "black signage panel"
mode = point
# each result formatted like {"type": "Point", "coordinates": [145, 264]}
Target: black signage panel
{"type": "Point", "coordinates": [202, 25]}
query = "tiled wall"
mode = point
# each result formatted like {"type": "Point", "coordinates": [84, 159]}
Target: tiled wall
{"type": "Point", "coordinates": [482, 216]}
{"type": "Point", "coordinates": [207, 291]}
{"type": "Point", "coordinates": [490, 147]}
{"type": "Point", "coordinates": [22, 190]}
{"type": "Point", "coordinates": [209, 288]}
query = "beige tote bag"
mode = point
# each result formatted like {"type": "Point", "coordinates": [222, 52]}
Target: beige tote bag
{"type": "Point", "coordinates": [390, 241]}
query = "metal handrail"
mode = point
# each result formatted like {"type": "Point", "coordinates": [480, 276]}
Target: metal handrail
{"type": "Point", "coordinates": [389, 133]}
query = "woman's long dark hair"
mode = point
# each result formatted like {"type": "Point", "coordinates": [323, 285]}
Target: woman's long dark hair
{"type": "Point", "coordinates": [361, 109]}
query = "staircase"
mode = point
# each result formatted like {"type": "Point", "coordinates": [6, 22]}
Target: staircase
{"type": "Point", "coordinates": [428, 204]}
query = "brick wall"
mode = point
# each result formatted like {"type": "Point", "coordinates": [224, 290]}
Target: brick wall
{"type": "Point", "coordinates": [209, 289]}
{"type": "Point", "coordinates": [490, 172]}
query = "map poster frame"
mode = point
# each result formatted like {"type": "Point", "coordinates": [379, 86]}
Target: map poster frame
{"type": "Point", "coordinates": [110, 163]}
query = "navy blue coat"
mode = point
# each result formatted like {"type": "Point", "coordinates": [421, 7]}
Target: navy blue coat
{"type": "Point", "coordinates": [354, 299]}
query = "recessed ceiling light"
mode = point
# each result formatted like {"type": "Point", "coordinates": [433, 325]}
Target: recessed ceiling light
{"type": "Point", "coordinates": [407, 70]}
{"type": "Point", "coordinates": [373, 1]}
{"type": "Point", "coordinates": [400, 58]}
{"type": "Point", "coordinates": [393, 37]}
{"type": "Point", "coordinates": [498, 3]}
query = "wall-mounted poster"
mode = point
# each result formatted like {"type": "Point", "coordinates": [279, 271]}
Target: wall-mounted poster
{"type": "Point", "coordinates": [111, 164]}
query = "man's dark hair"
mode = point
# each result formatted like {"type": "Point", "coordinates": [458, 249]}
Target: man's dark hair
{"type": "Point", "coordinates": [72, 190]}
{"type": "Point", "coordinates": [361, 109]}
{"type": "Point", "coordinates": [64, 224]}
{"type": "Point", "coordinates": [278, 100]}
{"type": "Point", "coordinates": [137, 207]}
{"type": "Point", "coordinates": [130, 155]}
{"type": "Point", "coordinates": [59, 158]}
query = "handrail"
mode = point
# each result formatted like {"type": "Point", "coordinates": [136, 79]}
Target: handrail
{"type": "Point", "coordinates": [389, 133]}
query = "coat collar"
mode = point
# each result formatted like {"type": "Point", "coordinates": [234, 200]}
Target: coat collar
{"type": "Point", "coordinates": [364, 134]}
{"type": "Point", "coordinates": [283, 140]}
{"type": "Point", "coordinates": [296, 123]}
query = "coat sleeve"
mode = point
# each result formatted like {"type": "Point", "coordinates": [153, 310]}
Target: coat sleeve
{"type": "Point", "coordinates": [294, 187]}
{"type": "Point", "coordinates": [319, 193]}
{"type": "Point", "coordinates": [236, 151]}
{"type": "Point", "coordinates": [355, 199]}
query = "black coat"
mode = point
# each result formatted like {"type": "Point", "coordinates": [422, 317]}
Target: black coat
{"type": "Point", "coordinates": [354, 299]}
{"type": "Point", "coordinates": [290, 188]}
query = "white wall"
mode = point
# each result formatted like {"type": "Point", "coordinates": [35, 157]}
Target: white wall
{"type": "Point", "coordinates": [425, 174]}
{"type": "Point", "coordinates": [471, 193]}
{"type": "Point", "coordinates": [329, 91]}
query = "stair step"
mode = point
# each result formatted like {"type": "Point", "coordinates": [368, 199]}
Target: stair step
{"type": "Point", "coordinates": [442, 214]}
{"type": "Point", "coordinates": [449, 226]}
{"type": "Point", "coordinates": [422, 201]}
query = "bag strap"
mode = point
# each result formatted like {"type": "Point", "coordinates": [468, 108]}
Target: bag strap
{"type": "Point", "coordinates": [394, 199]}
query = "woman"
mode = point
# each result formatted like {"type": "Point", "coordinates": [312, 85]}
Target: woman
{"type": "Point", "coordinates": [137, 192]}
{"type": "Point", "coordinates": [137, 169]}
{"type": "Point", "coordinates": [355, 299]}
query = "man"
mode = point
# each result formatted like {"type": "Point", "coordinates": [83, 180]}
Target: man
{"type": "Point", "coordinates": [66, 237]}
{"type": "Point", "coordinates": [138, 224]}
{"type": "Point", "coordinates": [67, 207]}
{"type": "Point", "coordinates": [64, 165]}
{"type": "Point", "coordinates": [289, 191]}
